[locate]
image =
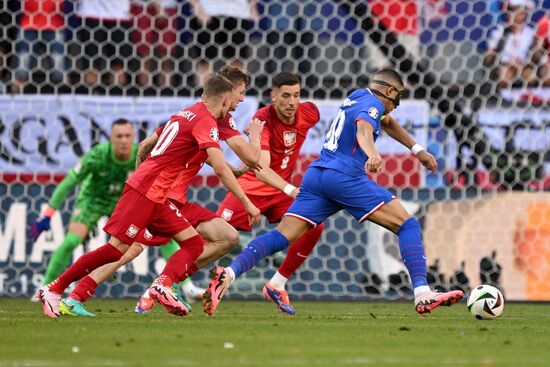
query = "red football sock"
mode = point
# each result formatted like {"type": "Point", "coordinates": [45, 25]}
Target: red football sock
{"type": "Point", "coordinates": [189, 273]}
{"type": "Point", "coordinates": [85, 265]}
{"type": "Point", "coordinates": [182, 263]}
{"type": "Point", "coordinates": [84, 289]}
{"type": "Point", "coordinates": [299, 251]}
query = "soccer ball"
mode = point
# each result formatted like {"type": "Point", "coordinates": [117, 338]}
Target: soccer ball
{"type": "Point", "coordinates": [485, 302]}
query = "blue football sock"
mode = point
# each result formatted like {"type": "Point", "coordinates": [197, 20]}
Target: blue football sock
{"type": "Point", "coordinates": [412, 251]}
{"type": "Point", "coordinates": [257, 249]}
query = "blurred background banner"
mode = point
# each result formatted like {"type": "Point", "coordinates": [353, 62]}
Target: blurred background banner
{"type": "Point", "coordinates": [47, 134]}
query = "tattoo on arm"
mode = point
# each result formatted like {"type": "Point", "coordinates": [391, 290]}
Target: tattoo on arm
{"type": "Point", "coordinates": [144, 149]}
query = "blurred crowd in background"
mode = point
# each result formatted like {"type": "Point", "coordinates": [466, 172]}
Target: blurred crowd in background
{"type": "Point", "coordinates": [167, 47]}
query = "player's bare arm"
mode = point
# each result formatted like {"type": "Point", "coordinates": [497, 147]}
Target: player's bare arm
{"type": "Point", "coordinates": [238, 172]}
{"type": "Point", "coordinates": [145, 148]}
{"type": "Point", "coordinates": [221, 170]}
{"type": "Point", "coordinates": [365, 140]}
{"type": "Point", "coordinates": [270, 177]}
{"type": "Point", "coordinates": [248, 152]}
{"type": "Point", "coordinates": [397, 132]}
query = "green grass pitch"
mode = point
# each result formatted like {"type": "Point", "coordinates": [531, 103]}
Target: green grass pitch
{"type": "Point", "coordinates": [255, 334]}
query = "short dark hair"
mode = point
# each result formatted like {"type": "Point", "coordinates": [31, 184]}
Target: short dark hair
{"type": "Point", "coordinates": [120, 121]}
{"type": "Point", "coordinates": [234, 74]}
{"type": "Point", "coordinates": [217, 85]}
{"type": "Point", "coordinates": [284, 78]}
{"type": "Point", "coordinates": [389, 75]}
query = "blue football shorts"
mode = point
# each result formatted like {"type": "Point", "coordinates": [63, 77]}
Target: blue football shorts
{"type": "Point", "coordinates": [325, 191]}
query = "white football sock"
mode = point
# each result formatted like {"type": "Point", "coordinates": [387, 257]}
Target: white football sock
{"type": "Point", "coordinates": [231, 273]}
{"type": "Point", "coordinates": [422, 289]}
{"type": "Point", "coordinates": [278, 281]}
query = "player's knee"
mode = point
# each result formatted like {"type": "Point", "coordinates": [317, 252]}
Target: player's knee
{"type": "Point", "coordinates": [232, 239]}
{"type": "Point", "coordinates": [292, 228]}
{"type": "Point", "coordinates": [223, 234]}
{"type": "Point", "coordinates": [410, 223]}
{"type": "Point", "coordinates": [229, 240]}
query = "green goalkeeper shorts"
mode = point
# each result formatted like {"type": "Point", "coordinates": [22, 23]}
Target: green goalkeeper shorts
{"type": "Point", "coordinates": [89, 214]}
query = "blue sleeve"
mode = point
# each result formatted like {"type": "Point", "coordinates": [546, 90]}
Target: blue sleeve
{"type": "Point", "coordinates": [373, 113]}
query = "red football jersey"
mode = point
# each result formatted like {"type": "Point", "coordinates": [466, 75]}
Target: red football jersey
{"type": "Point", "coordinates": [179, 189]}
{"type": "Point", "coordinates": [283, 141]}
{"type": "Point", "coordinates": [189, 131]}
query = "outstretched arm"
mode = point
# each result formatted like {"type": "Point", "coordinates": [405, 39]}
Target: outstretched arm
{"type": "Point", "coordinates": [397, 132]}
{"type": "Point", "coordinates": [272, 178]}
{"type": "Point", "coordinates": [63, 190]}
{"type": "Point", "coordinates": [75, 176]}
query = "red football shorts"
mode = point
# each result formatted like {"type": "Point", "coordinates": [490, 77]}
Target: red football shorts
{"type": "Point", "coordinates": [134, 212]}
{"type": "Point", "coordinates": [272, 207]}
{"type": "Point", "coordinates": [195, 215]}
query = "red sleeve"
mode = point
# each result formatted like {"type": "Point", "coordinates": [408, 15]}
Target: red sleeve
{"type": "Point", "coordinates": [263, 115]}
{"type": "Point", "coordinates": [158, 131]}
{"type": "Point", "coordinates": [228, 128]}
{"type": "Point", "coordinates": [264, 141]}
{"type": "Point", "coordinates": [311, 114]}
{"type": "Point", "coordinates": [206, 133]}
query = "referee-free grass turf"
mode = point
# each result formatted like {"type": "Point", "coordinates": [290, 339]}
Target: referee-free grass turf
{"type": "Point", "coordinates": [255, 334]}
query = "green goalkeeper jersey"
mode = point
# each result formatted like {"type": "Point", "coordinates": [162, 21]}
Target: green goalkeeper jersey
{"type": "Point", "coordinates": [101, 176]}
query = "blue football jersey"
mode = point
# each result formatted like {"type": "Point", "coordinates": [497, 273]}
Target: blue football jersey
{"type": "Point", "coordinates": [341, 150]}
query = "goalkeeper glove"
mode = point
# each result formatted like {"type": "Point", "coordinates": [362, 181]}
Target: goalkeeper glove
{"type": "Point", "coordinates": [41, 224]}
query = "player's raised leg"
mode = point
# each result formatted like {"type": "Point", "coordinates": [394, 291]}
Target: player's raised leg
{"type": "Point", "coordinates": [278, 239]}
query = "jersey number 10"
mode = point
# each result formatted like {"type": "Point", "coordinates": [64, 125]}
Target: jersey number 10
{"type": "Point", "coordinates": [166, 137]}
